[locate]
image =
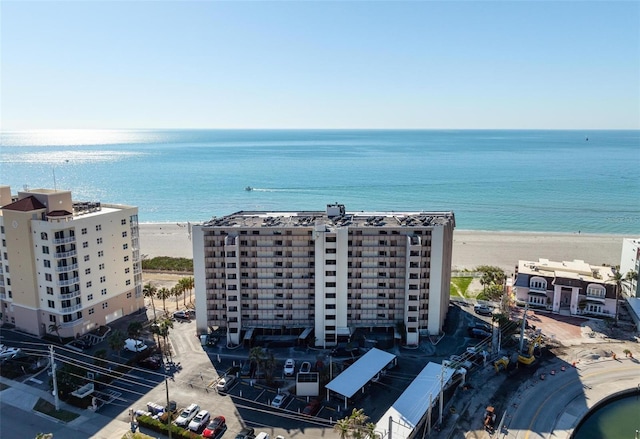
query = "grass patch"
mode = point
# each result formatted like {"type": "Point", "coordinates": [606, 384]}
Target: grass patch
{"type": "Point", "coordinates": [460, 286]}
{"type": "Point", "coordinates": [136, 435]}
{"type": "Point", "coordinates": [49, 409]}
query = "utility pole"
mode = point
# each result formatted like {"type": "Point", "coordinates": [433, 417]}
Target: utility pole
{"type": "Point", "coordinates": [441, 393]}
{"type": "Point", "coordinates": [524, 324]}
{"type": "Point", "coordinates": [166, 385]}
{"type": "Point", "coordinates": [56, 397]}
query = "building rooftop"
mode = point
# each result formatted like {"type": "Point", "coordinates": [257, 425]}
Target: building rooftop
{"type": "Point", "coordinates": [318, 218]}
{"type": "Point", "coordinates": [576, 270]}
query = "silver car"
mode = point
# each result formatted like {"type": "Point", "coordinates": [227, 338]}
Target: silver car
{"type": "Point", "coordinates": [187, 415]}
{"type": "Point", "coordinates": [199, 421]}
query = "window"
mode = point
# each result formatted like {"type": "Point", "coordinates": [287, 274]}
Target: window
{"type": "Point", "coordinates": [329, 273]}
{"type": "Point", "coordinates": [98, 227]}
{"type": "Point", "coordinates": [129, 295]}
{"type": "Point", "coordinates": [47, 276]}
{"type": "Point", "coordinates": [89, 284]}
{"type": "Point", "coordinates": [330, 284]}
{"type": "Point", "coordinates": [126, 271]}
{"type": "Point", "coordinates": [126, 258]}
{"type": "Point", "coordinates": [123, 222]}
{"type": "Point", "coordinates": [103, 291]}
{"type": "Point", "coordinates": [538, 283]}
{"type": "Point", "coordinates": [91, 311]}
{"type": "Point", "coordinates": [50, 291]}
{"type": "Point", "coordinates": [330, 251]}
{"type": "Point", "coordinates": [331, 262]}
{"type": "Point", "coordinates": [90, 297]}
{"type": "Point", "coordinates": [86, 258]}
{"type": "Point", "coordinates": [45, 250]}
{"type": "Point", "coordinates": [99, 240]}
{"type": "Point", "coordinates": [52, 318]}
{"type": "Point", "coordinates": [43, 236]}
{"type": "Point", "coordinates": [330, 239]}
{"type": "Point", "coordinates": [125, 246]}
{"type": "Point", "coordinates": [128, 282]}
{"type": "Point", "coordinates": [105, 305]}
{"type": "Point", "coordinates": [100, 253]}
{"type": "Point", "coordinates": [84, 231]}
{"type": "Point", "coordinates": [85, 244]}
{"type": "Point", "coordinates": [124, 234]}
{"type": "Point", "coordinates": [47, 263]}
{"type": "Point", "coordinates": [87, 271]}
{"type": "Point", "coordinates": [101, 267]}
{"type": "Point", "coordinates": [51, 304]}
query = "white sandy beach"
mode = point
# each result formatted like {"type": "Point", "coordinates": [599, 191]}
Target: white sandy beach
{"type": "Point", "coordinates": [470, 248]}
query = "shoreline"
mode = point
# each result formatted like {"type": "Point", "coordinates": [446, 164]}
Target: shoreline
{"type": "Point", "coordinates": [470, 247]}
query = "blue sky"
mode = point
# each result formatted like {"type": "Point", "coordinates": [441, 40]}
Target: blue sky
{"type": "Point", "coordinates": [421, 64]}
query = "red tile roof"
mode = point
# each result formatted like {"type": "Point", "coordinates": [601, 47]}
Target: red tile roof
{"type": "Point", "coordinates": [25, 205]}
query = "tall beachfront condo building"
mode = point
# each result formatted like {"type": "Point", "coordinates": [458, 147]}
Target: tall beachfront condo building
{"type": "Point", "coordinates": [328, 272]}
{"type": "Point", "coordinates": [630, 263]}
{"type": "Point", "coordinates": [69, 265]}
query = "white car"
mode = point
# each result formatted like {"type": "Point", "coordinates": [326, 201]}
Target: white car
{"type": "Point", "coordinates": [187, 415]}
{"type": "Point", "coordinates": [199, 421]}
{"type": "Point", "coordinates": [289, 367]}
{"type": "Point", "coordinates": [225, 383]}
{"type": "Point", "coordinates": [6, 352]}
{"type": "Point", "coordinates": [278, 401]}
{"type": "Point", "coordinates": [306, 367]}
{"type": "Point", "coordinates": [133, 345]}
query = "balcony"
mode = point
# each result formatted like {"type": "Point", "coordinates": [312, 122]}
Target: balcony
{"type": "Point", "coordinates": [65, 240]}
{"type": "Point", "coordinates": [65, 268]}
{"type": "Point", "coordinates": [71, 309]}
{"type": "Point", "coordinates": [63, 255]}
{"type": "Point", "coordinates": [69, 295]}
{"type": "Point", "coordinates": [71, 323]}
{"type": "Point", "coordinates": [67, 282]}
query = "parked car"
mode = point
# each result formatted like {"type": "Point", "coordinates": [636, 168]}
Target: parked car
{"type": "Point", "coordinates": [215, 427]}
{"type": "Point", "coordinates": [289, 367]}
{"type": "Point", "coordinates": [481, 325]}
{"type": "Point", "coordinates": [187, 415]}
{"type": "Point", "coordinates": [312, 408]}
{"type": "Point", "coordinates": [305, 367]}
{"type": "Point", "coordinates": [483, 310]}
{"type": "Point", "coordinates": [7, 352]}
{"type": "Point", "coordinates": [279, 400]}
{"type": "Point", "coordinates": [199, 421]}
{"type": "Point", "coordinates": [182, 315]}
{"type": "Point", "coordinates": [133, 345]}
{"type": "Point", "coordinates": [246, 433]}
{"type": "Point", "coordinates": [479, 333]}
{"type": "Point", "coordinates": [80, 344]}
{"type": "Point", "coordinates": [225, 383]}
{"type": "Point", "coordinates": [153, 363]}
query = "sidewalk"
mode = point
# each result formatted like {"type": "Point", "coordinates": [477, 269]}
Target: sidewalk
{"type": "Point", "coordinates": [94, 425]}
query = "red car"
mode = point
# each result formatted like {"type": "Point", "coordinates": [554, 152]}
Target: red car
{"type": "Point", "coordinates": [215, 427]}
{"type": "Point", "coordinates": [312, 408]}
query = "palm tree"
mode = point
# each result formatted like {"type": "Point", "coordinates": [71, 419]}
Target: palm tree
{"type": "Point", "coordinates": [185, 287]}
{"type": "Point", "coordinates": [630, 278]}
{"type": "Point", "coordinates": [617, 278]}
{"type": "Point", "coordinates": [256, 356]}
{"type": "Point", "coordinates": [116, 341]}
{"type": "Point", "coordinates": [163, 294]}
{"type": "Point", "coordinates": [150, 290]}
{"type": "Point", "coordinates": [55, 327]}
{"type": "Point", "coordinates": [134, 329]}
{"type": "Point", "coordinates": [356, 426]}
{"type": "Point", "coordinates": [44, 436]}
{"type": "Point", "coordinates": [343, 428]}
{"type": "Point", "coordinates": [176, 291]}
{"type": "Point", "coordinates": [163, 331]}
{"type": "Point", "coordinates": [188, 283]}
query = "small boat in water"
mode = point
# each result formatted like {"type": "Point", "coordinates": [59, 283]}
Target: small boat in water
{"type": "Point", "coordinates": [248, 188]}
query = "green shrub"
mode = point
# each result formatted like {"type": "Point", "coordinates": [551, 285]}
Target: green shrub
{"type": "Point", "coordinates": [161, 427]}
{"type": "Point", "coordinates": [166, 263]}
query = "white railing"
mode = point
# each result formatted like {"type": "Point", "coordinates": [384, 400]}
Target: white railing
{"type": "Point", "coordinates": [71, 308]}
{"type": "Point", "coordinates": [65, 268]}
{"type": "Point", "coordinates": [68, 296]}
{"type": "Point", "coordinates": [66, 254]}
{"type": "Point", "coordinates": [71, 323]}
{"type": "Point", "coordinates": [65, 240]}
{"type": "Point", "coordinates": [64, 283]}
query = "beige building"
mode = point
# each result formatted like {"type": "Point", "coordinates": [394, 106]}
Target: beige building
{"type": "Point", "coordinates": [328, 272]}
{"type": "Point", "coordinates": [567, 287]}
{"type": "Point", "coordinates": [74, 265]}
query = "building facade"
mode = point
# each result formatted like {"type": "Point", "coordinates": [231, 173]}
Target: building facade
{"type": "Point", "coordinates": [329, 272]}
{"type": "Point", "coordinates": [69, 265]}
{"type": "Point", "coordinates": [630, 263]}
{"type": "Point", "coordinates": [573, 288]}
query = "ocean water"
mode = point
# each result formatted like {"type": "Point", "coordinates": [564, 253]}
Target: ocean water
{"type": "Point", "coordinates": [556, 181]}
